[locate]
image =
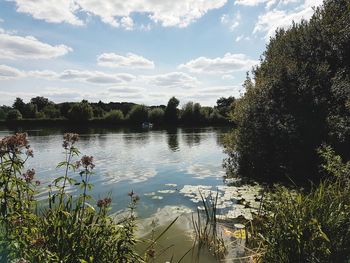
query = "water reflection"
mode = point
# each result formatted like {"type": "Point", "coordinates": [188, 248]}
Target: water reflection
{"type": "Point", "coordinates": [173, 139]}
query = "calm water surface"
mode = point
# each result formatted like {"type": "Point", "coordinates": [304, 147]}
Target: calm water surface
{"type": "Point", "coordinates": [156, 164]}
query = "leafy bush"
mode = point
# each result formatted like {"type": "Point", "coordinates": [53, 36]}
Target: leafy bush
{"type": "Point", "coordinates": [13, 115]}
{"type": "Point", "coordinates": [156, 115]}
{"type": "Point", "coordinates": [138, 114]}
{"type": "Point", "coordinates": [51, 111]}
{"type": "Point", "coordinates": [81, 112]}
{"type": "Point", "coordinates": [114, 116]}
{"type": "Point", "coordinates": [70, 229]}
{"type": "Point", "coordinates": [296, 226]}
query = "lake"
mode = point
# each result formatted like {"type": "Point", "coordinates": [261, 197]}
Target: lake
{"type": "Point", "coordinates": [166, 168]}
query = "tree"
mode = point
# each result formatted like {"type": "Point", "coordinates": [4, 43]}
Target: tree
{"type": "Point", "coordinates": [224, 105]}
{"type": "Point", "coordinates": [114, 116]}
{"type": "Point", "coordinates": [18, 105]}
{"type": "Point", "coordinates": [81, 112]}
{"type": "Point", "coordinates": [51, 111]}
{"type": "Point", "coordinates": [297, 101]}
{"type": "Point", "coordinates": [30, 110]}
{"type": "Point", "coordinates": [13, 115]}
{"type": "Point", "coordinates": [156, 115]}
{"type": "Point", "coordinates": [40, 102]}
{"type": "Point", "coordinates": [65, 109]}
{"type": "Point", "coordinates": [171, 112]}
{"type": "Point", "coordinates": [138, 114]}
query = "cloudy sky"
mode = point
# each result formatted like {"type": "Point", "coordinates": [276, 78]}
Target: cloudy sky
{"type": "Point", "coordinates": [143, 51]}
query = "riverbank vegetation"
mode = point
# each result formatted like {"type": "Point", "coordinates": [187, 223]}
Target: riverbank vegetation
{"type": "Point", "coordinates": [68, 228]}
{"type": "Point", "coordinates": [41, 110]}
{"type": "Point", "coordinates": [293, 128]}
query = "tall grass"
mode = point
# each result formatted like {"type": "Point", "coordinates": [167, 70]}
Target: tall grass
{"type": "Point", "coordinates": [206, 228]}
{"type": "Point", "coordinates": [307, 226]}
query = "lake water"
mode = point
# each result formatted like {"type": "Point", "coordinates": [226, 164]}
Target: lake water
{"type": "Point", "coordinates": [161, 166]}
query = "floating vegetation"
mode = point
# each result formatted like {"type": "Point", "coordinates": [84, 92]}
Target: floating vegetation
{"type": "Point", "coordinates": [171, 185]}
{"type": "Point", "coordinates": [232, 202]}
{"type": "Point", "coordinates": [166, 191]}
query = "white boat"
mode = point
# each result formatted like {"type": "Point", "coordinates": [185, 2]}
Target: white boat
{"type": "Point", "coordinates": [147, 125]}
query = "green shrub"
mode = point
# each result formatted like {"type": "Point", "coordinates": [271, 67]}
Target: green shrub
{"type": "Point", "coordinates": [114, 116]}
{"type": "Point", "coordinates": [156, 115]}
{"type": "Point", "coordinates": [138, 114]}
{"type": "Point", "coordinates": [81, 112]}
{"type": "Point", "coordinates": [13, 115]}
{"type": "Point", "coordinates": [299, 226]}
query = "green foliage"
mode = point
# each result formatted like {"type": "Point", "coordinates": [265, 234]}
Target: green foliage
{"type": "Point", "coordinates": [18, 105]}
{"type": "Point", "coordinates": [114, 116]}
{"type": "Point", "coordinates": [295, 226]}
{"type": "Point", "coordinates": [51, 111]}
{"type": "Point", "coordinates": [30, 110]}
{"type": "Point", "coordinates": [81, 112]}
{"type": "Point", "coordinates": [138, 114]}
{"type": "Point", "coordinates": [171, 112]}
{"type": "Point", "coordinates": [225, 105]}
{"type": "Point", "coordinates": [297, 100]}
{"type": "Point", "coordinates": [70, 229]}
{"type": "Point", "coordinates": [156, 115]}
{"type": "Point", "coordinates": [13, 115]}
{"type": "Point", "coordinates": [2, 114]}
{"type": "Point", "coordinates": [40, 102]}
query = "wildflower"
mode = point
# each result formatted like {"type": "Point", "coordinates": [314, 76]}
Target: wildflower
{"type": "Point", "coordinates": [14, 143]}
{"type": "Point", "coordinates": [29, 175]}
{"type": "Point", "coordinates": [87, 162]}
{"type": "Point", "coordinates": [104, 202]}
{"type": "Point", "coordinates": [30, 153]}
{"type": "Point", "coordinates": [135, 198]}
{"type": "Point", "coordinates": [69, 139]}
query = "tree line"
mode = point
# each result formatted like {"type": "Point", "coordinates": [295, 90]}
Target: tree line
{"type": "Point", "coordinates": [120, 112]}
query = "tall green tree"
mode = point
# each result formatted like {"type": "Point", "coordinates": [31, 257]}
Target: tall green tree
{"type": "Point", "coordinates": [297, 101]}
{"type": "Point", "coordinates": [40, 102]}
{"type": "Point", "coordinates": [171, 111]}
{"type": "Point", "coordinates": [19, 105]}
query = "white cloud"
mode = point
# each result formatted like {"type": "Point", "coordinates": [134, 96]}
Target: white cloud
{"type": "Point", "coordinates": [117, 12]}
{"type": "Point", "coordinates": [7, 72]}
{"type": "Point", "coordinates": [18, 47]}
{"type": "Point", "coordinates": [131, 60]}
{"type": "Point", "coordinates": [124, 90]}
{"type": "Point", "coordinates": [273, 19]}
{"type": "Point", "coordinates": [52, 11]}
{"type": "Point", "coordinates": [233, 22]}
{"type": "Point", "coordinates": [127, 23]}
{"type": "Point", "coordinates": [228, 76]}
{"type": "Point", "coordinates": [94, 77]}
{"type": "Point", "coordinates": [173, 80]}
{"type": "Point", "coordinates": [269, 3]}
{"type": "Point", "coordinates": [239, 38]}
{"type": "Point", "coordinates": [226, 64]}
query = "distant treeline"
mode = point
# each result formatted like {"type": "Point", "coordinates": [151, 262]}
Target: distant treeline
{"type": "Point", "coordinates": [42, 110]}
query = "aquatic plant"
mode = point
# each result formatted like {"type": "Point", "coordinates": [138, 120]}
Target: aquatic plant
{"type": "Point", "coordinates": [206, 230]}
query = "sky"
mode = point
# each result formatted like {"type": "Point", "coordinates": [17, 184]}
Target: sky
{"type": "Point", "coordinates": [142, 51]}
